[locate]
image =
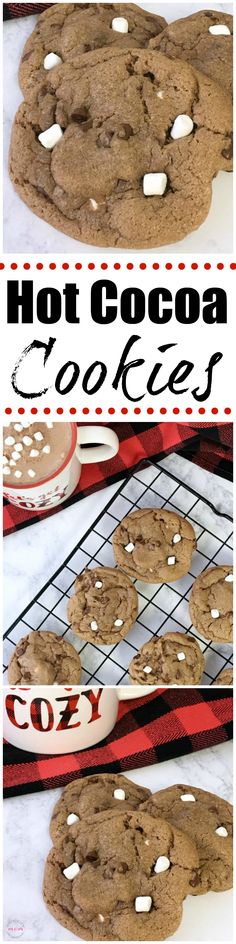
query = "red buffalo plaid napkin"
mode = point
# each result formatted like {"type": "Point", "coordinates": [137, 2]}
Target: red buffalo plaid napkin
{"type": "Point", "coordinates": [13, 10]}
{"type": "Point", "coordinates": [157, 727]}
{"type": "Point", "coordinates": [208, 444]}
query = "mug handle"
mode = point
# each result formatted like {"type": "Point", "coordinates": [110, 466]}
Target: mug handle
{"type": "Point", "coordinates": [107, 440]}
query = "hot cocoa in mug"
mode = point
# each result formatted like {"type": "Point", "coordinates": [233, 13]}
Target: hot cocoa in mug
{"type": "Point", "coordinates": [42, 461]}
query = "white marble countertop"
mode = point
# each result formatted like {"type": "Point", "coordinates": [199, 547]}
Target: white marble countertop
{"type": "Point", "coordinates": [31, 555]}
{"type": "Point", "coordinates": [27, 842]}
{"type": "Point", "coordinates": [22, 231]}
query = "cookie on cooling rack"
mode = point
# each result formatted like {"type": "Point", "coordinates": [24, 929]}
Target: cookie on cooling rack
{"type": "Point", "coordinates": [104, 605]}
{"type": "Point", "coordinates": [211, 604]}
{"type": "Point", "coordinates": [154, 545]}
{"type": "Point", "coordinates": [172, 659]}
{"type": "Point", "coordinates": [43, 658]}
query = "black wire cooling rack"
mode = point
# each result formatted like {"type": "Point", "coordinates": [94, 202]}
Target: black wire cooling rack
{"type": "Point", "coordinates": [162, 607]}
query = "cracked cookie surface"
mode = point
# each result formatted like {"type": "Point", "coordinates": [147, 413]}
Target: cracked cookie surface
{"type": "Point", "coordinates": [42, 658]}
{"type": "Point", "coordinates": [211, 604]}
{"type": "Point", "coordinates": [224, 678]}
{"type": "Point", "coordinates": [200, 814]}
{"type": "Point", "coordinates": [172, 659]}
{"type": "Point", "coordinates": [191, 39]}
{"type": "Point", "coordinates": [77, 28]}
{"type": "Point", "coordinates": [115, 858]}
{"type": "Point", "coordinates": [104, 605]}
{"type": "Point", "coordinates": [154, 545]}
{"type": "Point", "coordinates": [94, 794]}
{"type": "Point", "coordinates": [116, 113]}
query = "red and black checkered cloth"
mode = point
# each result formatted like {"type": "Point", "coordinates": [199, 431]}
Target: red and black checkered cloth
{"type": "Point", "coordinates": [12, 10]}
{"type": "Point", "coordinates": [208, 444]}
{"type": "Point", "coordinates": [149, 730]}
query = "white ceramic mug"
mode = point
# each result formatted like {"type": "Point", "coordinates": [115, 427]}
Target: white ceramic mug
{"type": "Point", "coordinates": [59, 719]}
{"type": "Point", "coordinates": [59, 486]}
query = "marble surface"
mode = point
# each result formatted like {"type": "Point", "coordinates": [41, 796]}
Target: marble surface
{"type": "Point", "coordinates": [31, 555]}
{"type": "Point", "coordinates": [22, 231]}
{"type": "Point", "coordinates": [27, 842]}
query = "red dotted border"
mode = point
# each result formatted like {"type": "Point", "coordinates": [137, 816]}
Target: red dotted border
{"type": "Point", "coordinates": [123, 410]}
{"type": "Point", "coordinates": [118, 265]}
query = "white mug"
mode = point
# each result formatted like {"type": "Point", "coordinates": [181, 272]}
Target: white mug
{"type": "Point", "coordinates": [60, 719]}
{"type": "Point", "coordinates": [59, 486]}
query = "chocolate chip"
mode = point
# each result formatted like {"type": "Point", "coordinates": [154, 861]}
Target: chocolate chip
{"type": "Point", "coordinates": [125, 132]}
{"type": "Point", "coordinates": [228, 152]}
{"type": "Point", "coordinates": [26, 56]}
{"type": "Point", "coordinates": [81, 115]}
{"type": "Point", "coordinates": [149, 75]}
{"type": "Point", "coordinates": [105, 138]}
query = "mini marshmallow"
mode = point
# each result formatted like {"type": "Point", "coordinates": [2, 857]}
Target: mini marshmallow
{"type": "Point", "coordinates": [51, 60]}
{"type": "Point", "coordinates": [4, 460]}
{"type": "Point", "coordinates": [188, 798]}
{"type": "Point", "coordinates": [160, 94]}
{"type": "Point", "coordinates": [18, 447]}
{"type": "Point", "coordinates": [50, 137]}
{"type": "Point", "coordinates": [154, 185]}
{"type": "Point", "coordinates": [98, 584]}
{"type": "Point", "coordinates": [34, 453]}
{"type": "Point", "coordinates": [18, 427]}
{"type": "Point", "coordinates": [147, 842]}
{"type": "Point", "coordinates": [27, 440]}
{"type": "Point", "coordinates": [31, 473]}
{"type": "Point", "coordinates": [72, 818]}
{"type": "Point", "coordinates": [94, 203]}
{"type": "Point", "coordinates": [101, 918]}
{"type": "Point", "coordinates": [170, 560]}
{"type": "Point", "coordinates": [6, 471]}
{"type": "Point", "coordinates": [15, 456]}
{"type": "Point", "coordinates": [118, 622]}
{"type": "Point", "coordinates": [219, 30]}
{"type": "Point", "coordinates": [11, 463]}
{"type": "Point", "coordinates": [47, 449]}
{"type": "Point", "coordinates": [229, 578]}
{"type": "Point", "coordinates": [221, 831]}
{"type": "Point", "coordinates": [147, 669]}
{"type": "Point", "coordinates": [120, 24]}
{"type": "Point", "coordinates": [18, 474]}
{"type": "Point", "coordinates": [9, 441]}
{"type": "Point", "coordinates": [215, 614]}
{"type": "Point", "coordinates": [71, 871]}
{"type": "Point", "coordinates": [176, 539]}
{"type": "Point", "coordinates": [181, 656]}
{"type": "Point", "coordinates": [119, 794]}
{"type": "Point", "coordinates": [49, 425]}
{"type": "Point", "coordinates": [143, 903]}
{"type": "Point", "coordinates": [183, 125]}
{"type": "Point", "coordinates": [129, 547]}
{"type": "Point", "coordinates": [162, 864]}
{"type": "Point", "coordinates": [38, 436]}
{"type": "Point", "coordinates": [93, 626]}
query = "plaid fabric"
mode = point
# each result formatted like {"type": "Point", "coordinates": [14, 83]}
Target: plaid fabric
{"type": "Point", "coordinates": [149, 730]}
{"type": "Point", "coordinates": [208, 444]}
{"type": "Point", "coordinates": [13, 10]}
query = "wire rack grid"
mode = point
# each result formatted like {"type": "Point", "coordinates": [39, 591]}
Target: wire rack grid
{"type": "Point", "coordinates": [162, 607]}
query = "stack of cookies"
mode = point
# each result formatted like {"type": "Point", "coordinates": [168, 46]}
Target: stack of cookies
{"type": "Point", "coordinates": [124, 860]}
{"type": "Point", "coordinates": [125, 122]}
{"type": "Point", "coordinates": [151, 545]}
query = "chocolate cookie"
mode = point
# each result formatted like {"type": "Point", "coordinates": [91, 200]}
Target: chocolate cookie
{"type": "Point", "coordinates": [225, 678]}
{"type": "Point", "coordinates": [42, 658]}
{"type": "Point", "coordinates": [211, 604]}
{"type": "Point", "coordinates": [207, 820]}
{"type": "Point", "coordinates": [104, 605]}
{"type": "Point", "coordinates": [154, 545]}
{"type": "Point", "coordinates": [120, 148]}
{"type": "Point", "coordinates": [173, 659]}
{"type": "Point", "coordinates": [120, 877]}
{"type": "Point", "coordinates": [204, 39]}
{"type": "Point", "coordinates": [69, 29]}
{"type": "Point", "coordinates": [81, 799]}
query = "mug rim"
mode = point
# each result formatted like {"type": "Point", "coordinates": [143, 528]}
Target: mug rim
{"type": "Point", "coordinates": [50, 477]}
